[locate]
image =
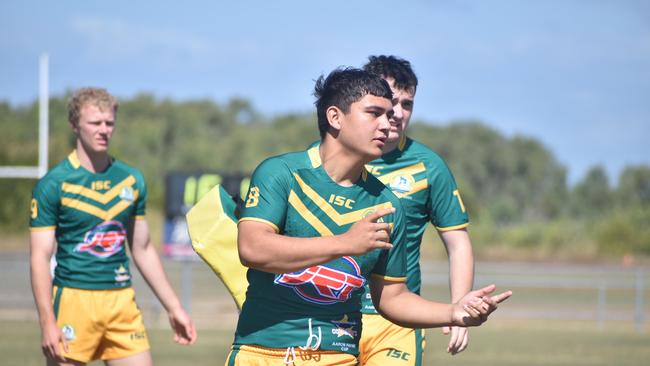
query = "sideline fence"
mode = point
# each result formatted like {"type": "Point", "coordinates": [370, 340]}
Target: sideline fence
{"type": "Point", "coordinates": [542, 291]}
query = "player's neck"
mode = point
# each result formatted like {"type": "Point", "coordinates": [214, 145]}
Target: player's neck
{"type": "Point", "coordinates": [343, 167]}
{"type": "Point", "coordinates": [93, 162]}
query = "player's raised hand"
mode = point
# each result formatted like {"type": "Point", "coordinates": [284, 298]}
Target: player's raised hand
{"type": "Point", "coordinates": [369, 233]}
{"type": "Point", "coordinates": [475, 307]}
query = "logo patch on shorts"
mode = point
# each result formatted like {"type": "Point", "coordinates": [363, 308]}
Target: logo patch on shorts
{"type": "Point", "coordinates": [68, 332]}
{"type": "Point", "coordinates": [138, 336]}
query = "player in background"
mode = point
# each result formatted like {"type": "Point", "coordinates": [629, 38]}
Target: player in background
{"type": "Point", "coordinates": [428, 192]}
{"type": "Point", "coordinates": [86, 210]}
{"type": "Point", "coordinates": [316, 226]}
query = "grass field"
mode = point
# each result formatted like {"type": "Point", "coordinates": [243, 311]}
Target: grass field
{"type": "Point", "coordinates": [552, 319]}
{"type": "Point", "coordinates": [500, 343]}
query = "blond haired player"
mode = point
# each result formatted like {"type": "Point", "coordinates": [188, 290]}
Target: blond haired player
{"type": "Point", "coordinates": [87, 209]}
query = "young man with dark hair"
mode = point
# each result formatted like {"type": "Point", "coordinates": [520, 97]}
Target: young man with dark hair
{"type": "Point", "coordinates": [316, 226]}
{"type": "Point", "coordinates": [86, 209]}
{"type": "Point", "coordinates": [428, 192]}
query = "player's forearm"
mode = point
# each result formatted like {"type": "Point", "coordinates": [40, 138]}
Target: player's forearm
{"type": "Point", "coordinates": [274, 253]}
{"type": "Point", "coordinates": [420, 313]}
{"type": "Point", "coordinates": [461, 263]}
{"type": "Point", "coordinates": [41, 282]}
{"type": "Point", "coordinates": [461, 274]}
{"type": "Point", "coordinates": [148, 262]}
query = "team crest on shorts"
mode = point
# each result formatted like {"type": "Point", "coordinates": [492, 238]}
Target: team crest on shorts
{"type": "Point", "coordinates": [326, 284]}
{"type": "Point", "coordinates": [68, 332]}
{"type": "Point", "coordinates": [127, 194]}
{"type": "Point", "coordinates": [103, 240]}
{"type": "Point", "coordinates": [402, 184]}
{"type": "Point", "coordinates": [345, 327]}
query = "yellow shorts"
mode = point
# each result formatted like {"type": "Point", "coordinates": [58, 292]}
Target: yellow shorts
{"type": "Point", "coordinates": [99, 324]}
{"type": "Point", "coordinates": [261, 356]}
{"type": "Point", "coordinates": [386, 344]}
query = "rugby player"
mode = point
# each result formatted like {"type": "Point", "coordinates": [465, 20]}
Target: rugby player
{"type": "Point", "coordinates": [314, 228]}
{"type": "Point", "coordinates": [428, 192]}
{"type": "Point", "coordinates": [87, 209]}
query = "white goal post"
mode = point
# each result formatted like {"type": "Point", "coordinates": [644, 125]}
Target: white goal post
{"type": "Point", "coordinates": [43, 129]}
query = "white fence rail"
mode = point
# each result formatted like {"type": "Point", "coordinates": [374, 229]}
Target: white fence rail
{"type": "Point", "coordinates": [542, 291]}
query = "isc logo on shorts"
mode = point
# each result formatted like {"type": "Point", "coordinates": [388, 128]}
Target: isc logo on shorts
{"type": "Point", "coordinates": [323, 284]}
{"type": "Point", "coordinates": [138, 336]}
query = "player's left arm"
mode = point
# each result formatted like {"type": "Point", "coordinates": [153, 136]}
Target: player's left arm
{"type": "Point", "coordinates": [461, 278]}
{"type": "Point", "coordinates": [148, 262]}
{"type": "Point", "coordinates": [449, 215]}
{"type": "Point", "coordinates": [396, 303]}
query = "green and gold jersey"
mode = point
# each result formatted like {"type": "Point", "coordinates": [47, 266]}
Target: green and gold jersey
{"type": "Point", "coordinates": [428, 191]}
{"type": "Point", "coordinates": [90, 213]}
{"type": "Point", "coordinates": [318, 306]}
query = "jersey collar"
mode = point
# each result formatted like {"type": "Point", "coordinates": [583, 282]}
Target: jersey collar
{"type": "Point", "coordinates": [314, 156]}
{"type": "Point", "coordinates": [74, 159]}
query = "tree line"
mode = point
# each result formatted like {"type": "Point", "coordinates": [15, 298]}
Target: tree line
{"type": "Point", "coordinates": [514, 188]}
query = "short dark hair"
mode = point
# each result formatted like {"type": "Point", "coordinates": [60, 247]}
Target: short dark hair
{"type": "Point", "coordinates": [345, 86]}
{"type": "Point", "coordinates": [395, 68]}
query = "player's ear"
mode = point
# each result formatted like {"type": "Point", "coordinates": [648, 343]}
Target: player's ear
{"type": "Point", "coordinates": [334, 117]}
{"type": "Point", "coordinates": [75, 127]}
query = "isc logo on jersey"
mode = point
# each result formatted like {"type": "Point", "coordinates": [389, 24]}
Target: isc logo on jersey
{"type": "Point", "coordinates": [324, 284]}
{"type": "Point", "coordinates": [103, 240]}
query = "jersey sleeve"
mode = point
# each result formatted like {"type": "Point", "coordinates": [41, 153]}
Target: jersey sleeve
{"type": "Point", "coordinates": [268, 194]}
{"type": "Point", "coordinates": [141, 202]}
{"type": "Point", "coordinates": [446, 208]}
{"type": "Point", "coordinates": [392, 263]}
{"type": "Point", "coordinates": [45, 205]}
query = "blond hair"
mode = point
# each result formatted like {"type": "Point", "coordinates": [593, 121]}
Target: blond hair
{"type": "Point", "coordinates": [93, 96]}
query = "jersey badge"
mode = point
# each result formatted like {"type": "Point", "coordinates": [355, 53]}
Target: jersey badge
{"type": "Point", "coordinates": [127, 194]}
{"type": "Point", "coordinates": [103, 240]}
{"type": "Point", "coordinates": [121, 274]}
{"type": "Point", "coordinates": [345, 328]}
{"type": "Point", "coordinates": [325, 284]}
{"type": "Point", "coordinates": [402, 184]}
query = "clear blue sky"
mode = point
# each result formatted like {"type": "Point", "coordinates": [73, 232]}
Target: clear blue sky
{"type": "Point", "coordinates": [572, 73]}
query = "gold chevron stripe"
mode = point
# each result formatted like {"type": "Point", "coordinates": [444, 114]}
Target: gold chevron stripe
{"type": "Point", "coordinates": [102, 198]}
{"type": "Point", "coordinates": [98, 212]}
{"type": "Point", "coordinates": [409, 170]}
{"type": "Point", "coordinates": [308, 216]}
{"type": "Point", "coordinates": [339, 219]}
